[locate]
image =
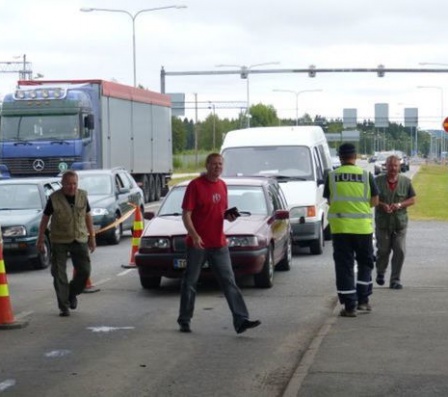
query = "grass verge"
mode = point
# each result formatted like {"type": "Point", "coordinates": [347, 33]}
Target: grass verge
{"type": "Point", "coordinates": [431, 186]}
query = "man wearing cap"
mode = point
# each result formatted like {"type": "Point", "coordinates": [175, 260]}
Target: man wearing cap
{"type": "Point", "coordinates": [351, 193]}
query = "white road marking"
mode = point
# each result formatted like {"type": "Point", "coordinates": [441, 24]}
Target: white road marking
{"type": "Point", "coordinates": [6, 384]}
{"type": "Point", "coordinates": [123, 273]}
{"type": "Point", "coordinates": [57, 353]}
{"type": "Point", "coordinates": [108, 329]}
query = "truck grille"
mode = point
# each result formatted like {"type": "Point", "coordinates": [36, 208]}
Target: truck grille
{"type": "Point", "coordinates": [33, 166]}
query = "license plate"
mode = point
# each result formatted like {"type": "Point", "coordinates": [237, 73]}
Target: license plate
{"type": "Point", "coordinates": [182, 264]}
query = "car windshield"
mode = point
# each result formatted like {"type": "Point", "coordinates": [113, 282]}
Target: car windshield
{"type": "Point", "coordinates": [20, 197]}
{"type": "Point", "coordinates": [291, 161]}
{"type": "Point", "coordinates": [96, 185]}
{"type": "Point", "coordinates": [245, 198]}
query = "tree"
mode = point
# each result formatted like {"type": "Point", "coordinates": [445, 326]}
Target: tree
{"type": "Point", "coordinates": [179, 135]}
{"type": "Point", "coordinates": [263, 116]}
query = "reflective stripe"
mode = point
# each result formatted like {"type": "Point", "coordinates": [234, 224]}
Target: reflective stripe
{"type": "Point", "coordinates": [364, 282]}
{"type": "Point", "coordinates": [4, 290]}
{"type": "Point", "coordinates": [353, 291]}
{"type": "Point", "coordinates": [352, 216]}
{"type": "Point", "coordinates": [135, 241]}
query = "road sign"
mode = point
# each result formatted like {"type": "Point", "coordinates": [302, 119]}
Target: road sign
{"type": "Point", "coordinates": [445, 124]}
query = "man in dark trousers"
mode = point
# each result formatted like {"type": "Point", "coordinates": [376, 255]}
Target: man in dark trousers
{"type": "Point", "coordinates": [204, 205]}
{"type": "Point", "coordinates": [391, 221]}
{"type": "Point", "coordinates": [352, 192]}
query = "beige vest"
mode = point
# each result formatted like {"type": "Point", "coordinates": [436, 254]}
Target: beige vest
{"type": "Point", "coordinates": [68, 223]}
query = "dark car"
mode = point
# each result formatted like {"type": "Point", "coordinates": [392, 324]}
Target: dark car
{"type": "Point", "coordinates": [22, 202]}
{"type": "Point", "coordinates": [259, 240]}
{"type": "Point", "coordinates": [112, 194]}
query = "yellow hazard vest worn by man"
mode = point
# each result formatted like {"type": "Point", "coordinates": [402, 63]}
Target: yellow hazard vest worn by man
{"type": "Point", "coordinates": [352, 192]}
{"type": "Point", "coordinates": [71, 234]}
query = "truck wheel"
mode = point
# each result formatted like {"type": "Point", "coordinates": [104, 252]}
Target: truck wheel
{"type": "Point", "coordinates": [158, 188]}
{"type": "Point", "coordinates": [265, 279]}
{"type": "Point", "coordinates": [151, 187]}
{"type": "Point", "coordinates": [43, 258]}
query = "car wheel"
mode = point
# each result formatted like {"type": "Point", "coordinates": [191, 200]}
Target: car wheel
{"type": "Point", "coordinates": [327, 233]}
{"type": "Point", "coordinates": [317, 245]}
{"type": "Point", "coordinates": [150, 282]}
{"type": "Point", "coordinates": [285, 263]}
{"type": "Point", "coordinates": [265, 279]}
{"type": "Point", "coordinates": [116, 233]}
{"type": "Point", "coordinates": [43, 259]}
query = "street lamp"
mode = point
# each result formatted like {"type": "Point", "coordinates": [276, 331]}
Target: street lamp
{"type": "Point", "coordinates": [296, 93]}
{"type": "Point", "coordinates": [245, 71]}
{"type": "Point", "coordinates": [212, 106]}
{"type": "Point", "coordinates": [442, 143]}
{"type": "Point", "coordinates": [133, 18]}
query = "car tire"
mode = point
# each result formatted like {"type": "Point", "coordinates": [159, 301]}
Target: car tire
{"type": "Point", "coordinates": [317, 245]}
{"type": "Point", "coordinates": [150, 282]}
{"type": "Point", "coordinates": [116, 233]}
{"type": "Point", "coordinates": [265, 279]}
{"type": "Point", "coordinates": [43, 259]}
{"type": "Point", "coordinates": [285, 263]}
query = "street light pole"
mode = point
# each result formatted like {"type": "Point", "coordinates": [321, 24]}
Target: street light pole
{"type": "Point", "coordinates": [212, 106]}
{"type": "Point", "coordinates": [133, 18]}
{"type": "Point", "coordinates": [296, 93]}
{"type": "Point", "coordinates": [245, 71]}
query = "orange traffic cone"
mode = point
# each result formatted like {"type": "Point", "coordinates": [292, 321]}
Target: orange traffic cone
{"type": "Point", "coordinates": [7, 320]}
{"type": "Point", "coordinates": [89, 288]}
{"type": "Point", "coordinates": [136, 235]}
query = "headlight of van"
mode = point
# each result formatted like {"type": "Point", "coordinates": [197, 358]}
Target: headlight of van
{"type": "Point", "coordinates": [305, 212]}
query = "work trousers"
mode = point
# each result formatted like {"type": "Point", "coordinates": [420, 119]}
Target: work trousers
{"type": "Point", "coordinates": [219, 261]}
{"type": "Point", "coordinates": [79, 253]}
{"type": "Point", "coordinates": [353, 290]}
{"type": "Point", "coordinates": [388, 242]}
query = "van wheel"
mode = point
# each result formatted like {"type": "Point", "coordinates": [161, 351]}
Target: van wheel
{"type": "Point", "coordinates": [327, 233]}
{"type": "Point", "coordinates": [317, 246]}
{"type": "Point", "coordinates": [265, 279]}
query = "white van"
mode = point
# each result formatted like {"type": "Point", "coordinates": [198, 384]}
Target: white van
{"type": "Point", "coordinates": [299, 157]}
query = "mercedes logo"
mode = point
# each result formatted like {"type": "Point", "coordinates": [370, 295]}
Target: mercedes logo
{"type": "Point", "coordinates": [38, 165]}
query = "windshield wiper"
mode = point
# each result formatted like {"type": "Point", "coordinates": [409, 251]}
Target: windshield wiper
{"type": "Point", "coordinates": [282, 178]}
{"type": "Point", "coordinates": [57, 140]}
{"type": "Point", "coordinates": [171, 214]}
{"type": "Point", "coordinates": [20, 141]}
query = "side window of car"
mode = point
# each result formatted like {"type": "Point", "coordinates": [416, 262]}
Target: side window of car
{"type": "Point", "coordinates": [127, 181]}
{"type": "Point", "coordinates": [273, 197]}
{"type": "Point", "coordinates": [281, 197]}
{"type": "Point", "coordinates": [118, 183]}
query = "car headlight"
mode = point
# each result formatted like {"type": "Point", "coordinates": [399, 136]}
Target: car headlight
{"type": "Point", "coordinates": [305, 212]}
{"type": "Point", "coordinates": [14, 231]}
{"type": "Point", "coordinates": [99, 211]}
{"type": "Point", "coordinates": [242, 241]}
{"type": "Point", "coordinates": [158, 243]}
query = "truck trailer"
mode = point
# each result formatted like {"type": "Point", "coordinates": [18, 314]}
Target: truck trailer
{"type": "Point", "coordinates": [53, 125]}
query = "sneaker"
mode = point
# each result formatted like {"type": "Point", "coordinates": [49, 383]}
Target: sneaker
{"type": "Point", "coordinates": [73, 302]}
{"type": "Point", "coordinates": [348, 313]}
{"type": "Point", "coordinates": [365, 307]}
{"type": "Point", "coordinates": [380, 279]}
{"type": "Point", "coordinates": [247, 324]}
{"type": "Point", "coordinates": [395, 285]}
{"type": "Point", "coordinates": [184, 327]}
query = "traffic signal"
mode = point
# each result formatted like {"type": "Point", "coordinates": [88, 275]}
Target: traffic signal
{"type": "Point", "coordinates": [312, 71]}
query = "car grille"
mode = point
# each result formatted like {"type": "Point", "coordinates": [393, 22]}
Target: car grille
{"type": "Point", "coordinates": [179, 244]}
{"type": "Point", "coordinates": [24, 166]}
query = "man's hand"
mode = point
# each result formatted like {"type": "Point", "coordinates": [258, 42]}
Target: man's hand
{"type": "Point", "coordinates": [92, 243]}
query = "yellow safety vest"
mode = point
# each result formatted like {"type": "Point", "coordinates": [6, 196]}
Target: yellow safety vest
{"type": "Point", "coordinates": [350, 210]}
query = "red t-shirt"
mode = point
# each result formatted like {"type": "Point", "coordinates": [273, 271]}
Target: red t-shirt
{"type": "Point", "coordinates": [207, 200]}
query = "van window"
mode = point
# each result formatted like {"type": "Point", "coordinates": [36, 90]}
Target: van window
{"type": "Point", "coordinates": [290, 161]}
{"type": "Point", "coordinates": [325, 160]}
{"type": "Point", "coordinates": [319, 167]}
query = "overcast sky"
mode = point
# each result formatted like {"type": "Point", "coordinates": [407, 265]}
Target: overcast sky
{"type": "Point", "coordinates": [63, 43]}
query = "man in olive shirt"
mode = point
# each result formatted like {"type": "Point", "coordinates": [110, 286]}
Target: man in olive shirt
{"type": "Point", "coordinates": [71, 232]}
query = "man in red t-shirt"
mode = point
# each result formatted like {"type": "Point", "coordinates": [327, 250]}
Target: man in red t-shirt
{"type": "Point", "coordinates": [204, 204]}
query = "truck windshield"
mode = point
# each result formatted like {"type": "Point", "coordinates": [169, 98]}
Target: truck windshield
{"type": "Point", "coordinates": [287, 161]}
{"type": "Point", "coordinates": [31, 128]}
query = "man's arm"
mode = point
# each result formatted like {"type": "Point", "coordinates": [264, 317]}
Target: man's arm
{"type": "Point", "coordinates": [91, 230]}
{"type": "Point", "coordinates": [188, 223]}
{"type": "Point", "coordinates": [41, 236]}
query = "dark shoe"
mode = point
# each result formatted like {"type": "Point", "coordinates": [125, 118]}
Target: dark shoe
{"type": "Point", "coordinates": [380, 279]}
{"type": "Point", "coordinates": [396, 285]}
{"type": "Point", "coordinates": [73, 302]}
{"type": "Point", "coordinates": [348, 313]}
{"type": "Point", "coordinates": [64, 313]}
{"type": "Point", "coordinates": [247, 324]}
{"type": "Point", "coordinates": [365, 307]}
{"type": "Point", "coordinates": [184, 327]}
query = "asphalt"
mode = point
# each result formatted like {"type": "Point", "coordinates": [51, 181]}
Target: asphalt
{"type": "Point", "coordinates": [401, 347]}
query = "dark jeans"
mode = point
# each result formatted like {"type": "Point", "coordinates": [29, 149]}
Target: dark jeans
{"type": "Point", "coordinates": [79, 252]}
{"type": "Point", "coordinates": [219, 261]}
{"type": "Point", "coordinates": [347, 248]}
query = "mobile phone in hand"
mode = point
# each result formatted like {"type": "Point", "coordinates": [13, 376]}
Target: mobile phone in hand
{"type": "Point", "coordinates": [232, 211]}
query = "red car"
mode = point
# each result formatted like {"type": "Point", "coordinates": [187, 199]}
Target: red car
{"type": "Point", "coordinates": [259, 240]}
